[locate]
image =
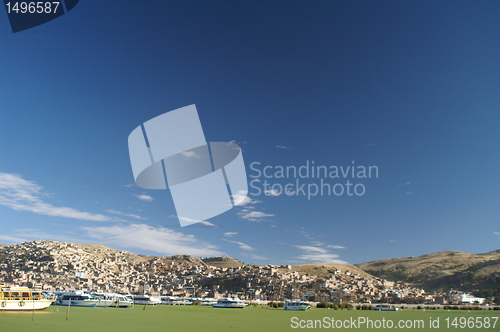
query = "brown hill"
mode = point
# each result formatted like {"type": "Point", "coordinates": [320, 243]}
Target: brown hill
{"type": "Point", "coordinates": [221, 262]}
{"type": "Point", "coordinates": [441, 270]}
{"type": "Point", "coordinates": [326, 270]}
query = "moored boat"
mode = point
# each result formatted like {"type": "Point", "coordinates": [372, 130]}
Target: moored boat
{"type": "Point", "coordinates": [384, 308]}
{"type": "Point", "coordinates": [296, 305]}
{"type": "Point", "coordinates": [121, 301]}
{"type": "Point", "coordinates": [146, 299]}
{"type": "Point", "coordinates": [229, 303]}
{"type": "Point", "coordinates": [22, 299]}
{"type": "Point", "coordinates": [77, 299]}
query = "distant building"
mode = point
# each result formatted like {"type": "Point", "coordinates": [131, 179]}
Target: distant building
{"type": "Point", "coordinates": [467, 298]}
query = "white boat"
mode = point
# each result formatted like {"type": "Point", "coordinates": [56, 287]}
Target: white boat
{"type": "Point", "coordinates": [112, 300]}
{"type": "Point", "coordinates": [208, 301]}
{"type": "Point", "coordinates": [229, 303]}
{"type": "Point", "coordinates": [77, 299]}
{"type": "Point", "coordinates": [296, 305]}
{"type": "Point", "coordinates": [104, 300]}
{"type": "Point", "coordinates": [385, 308]}
{"type": "Point", "coordinates": [121, 301]}
{"type": "Point", "coordinates": [146, 299]}
{"type": "Point", "coordinates": [22, 299]}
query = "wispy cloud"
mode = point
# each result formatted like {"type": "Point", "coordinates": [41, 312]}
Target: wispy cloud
{"type": "Point", "coordinates": [29, 234]}
{"type": "Point", "coordinates": [335, 247]}
{"type": "Point", "coordinates": [190, 154]}
{"type": "Point", "coordinates": [242, 245]}
{"type": "Point", "coordinates": [129, 185]}
{"type": "Point", "coordinates": [313, 249]}
{"type": "Point", "coordinates": [157, 239]}
{"type": "Point", "coordinates": [496, 233]}
{"type": "Point", "coordinates": [19, 194]}
{"type": "Point", "coordinates": [283, 147]}
{"type": "Point", "coordinates": [319, 255]}
{"type": "Point", "coordinates": [253, 215]}
{"type": "Point", "coordinates": [203, 222]}
{"type": "Point", "coordinates": [254, 256]}
{"type": "Point", "coordinates": [230, 234]}
{"type": "Point", "coordinates": [146, 198]}
{"type": "Point", "coordinates": [241, 196]}
{"type": "Point", "coordinates": [135, 216]}
{"type": "Point", "coordinates": [272, 192]}
{"type": "Point", "coordinates": [12, 239]}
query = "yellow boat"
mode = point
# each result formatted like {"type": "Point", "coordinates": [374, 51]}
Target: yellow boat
{"type": "Point", "coordinates": [22, 299]}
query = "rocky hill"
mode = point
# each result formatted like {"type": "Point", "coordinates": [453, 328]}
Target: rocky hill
{"type": "Point", "coordinates": [226, 262]}
{"type": "Point", "coordinates": [326, 270]}
{"type": "Point", "coordinates": [442, 270]}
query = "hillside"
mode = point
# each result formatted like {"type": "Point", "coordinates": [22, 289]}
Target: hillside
{"type": "Point", "coordinates": [221, 262]}
{"type": "Point", "coordinates": [441, 270]}
{"type": "Point", "coordinates": [326, 270]}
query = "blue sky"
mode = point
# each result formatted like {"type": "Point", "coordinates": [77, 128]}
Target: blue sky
{"type": "Point", "coordinates": [409, 87]}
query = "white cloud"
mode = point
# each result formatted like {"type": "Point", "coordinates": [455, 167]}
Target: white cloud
{"type": "Point", "coordinates": [272, 192]}
{"type": "Point", "coordinates": [322, 258]}
{"type": "Point", "coordinates": [253, 215]}
{"type": "Point", "coordinates": [283, 147]}
{"type": "Point", "coordinates": [245, 200]}
{"type": "Point", "coordinates": [144, 198]}
{"type": "Point", "coordinates": [313, 249]}
{"type": "Point", "coordinates": [496, 233]}
{"type": "Point", "coordinates": [12, 239]}
{"type": "Point", "coordinates": [230, 234]}
{"type": "Point", "coordinates": [19, 194]}
{"type": "Point", "coordinates": [336, 247]}
{"type": "Point", "coordinates": [130, 185]}
{"type": "Point", "coordinates": [254, 256]}
{"type": "Point", "coordinates": [135, 216]}
{"type": "Point", "coordinates": [157, 239]}
{"type": "Point", "coordinates": [319, 255]}
{"type": "Point", "coordinates": [190, 154]}
{"type": "Point", "coordinates": [242, 245]}
{"type": "Point", "coordinates": [28, 234]}
{"type": "Point", "coordinates": [192, 221]}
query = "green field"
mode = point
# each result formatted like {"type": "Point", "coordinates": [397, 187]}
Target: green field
{"type": "Point", "coordinates": [197, 318]}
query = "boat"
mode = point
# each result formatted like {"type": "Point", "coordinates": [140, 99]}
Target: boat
{"type": "Point", "coordinates": [121, 301]}
{"type": "Point", "coordinates": [146, 299]}
{"type": "Point", "coordinates": [105, 300]}
{"type": "Point", "coordinates": [296, 305]}
{"type": "Point", "coordinates": [384, 308]}
{"type": "Point", "coordinates": [208, 301]}
{"type": "Point", "coordinates": [229, 303]}
{"type": "Point", "coordinates": [22, 299]}
{"type": "Point", "coordinates": [112, 300]}
{"type": "Point", "coordinates": [77, 299]}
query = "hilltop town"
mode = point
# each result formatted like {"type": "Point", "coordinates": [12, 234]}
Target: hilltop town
{"type": "Point", "coordinates": [52, 265]}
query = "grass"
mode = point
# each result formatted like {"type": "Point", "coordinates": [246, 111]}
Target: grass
{"type": "Point", "coordinates": [207, 319]}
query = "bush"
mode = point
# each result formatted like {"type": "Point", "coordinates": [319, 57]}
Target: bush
{"type": "Point", "coordinates": [196, 303]}
{"type": "Point", "coordinates": [273, 304]}
{"type": "Point", "coordinates": [323, 305]}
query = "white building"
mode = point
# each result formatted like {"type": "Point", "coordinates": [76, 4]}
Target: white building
{"type": "Point", "coordinates": [467, 298]}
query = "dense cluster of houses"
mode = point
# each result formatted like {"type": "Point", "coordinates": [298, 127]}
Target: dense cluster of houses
{"type": "Point", "coordinates": [52, 265]}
